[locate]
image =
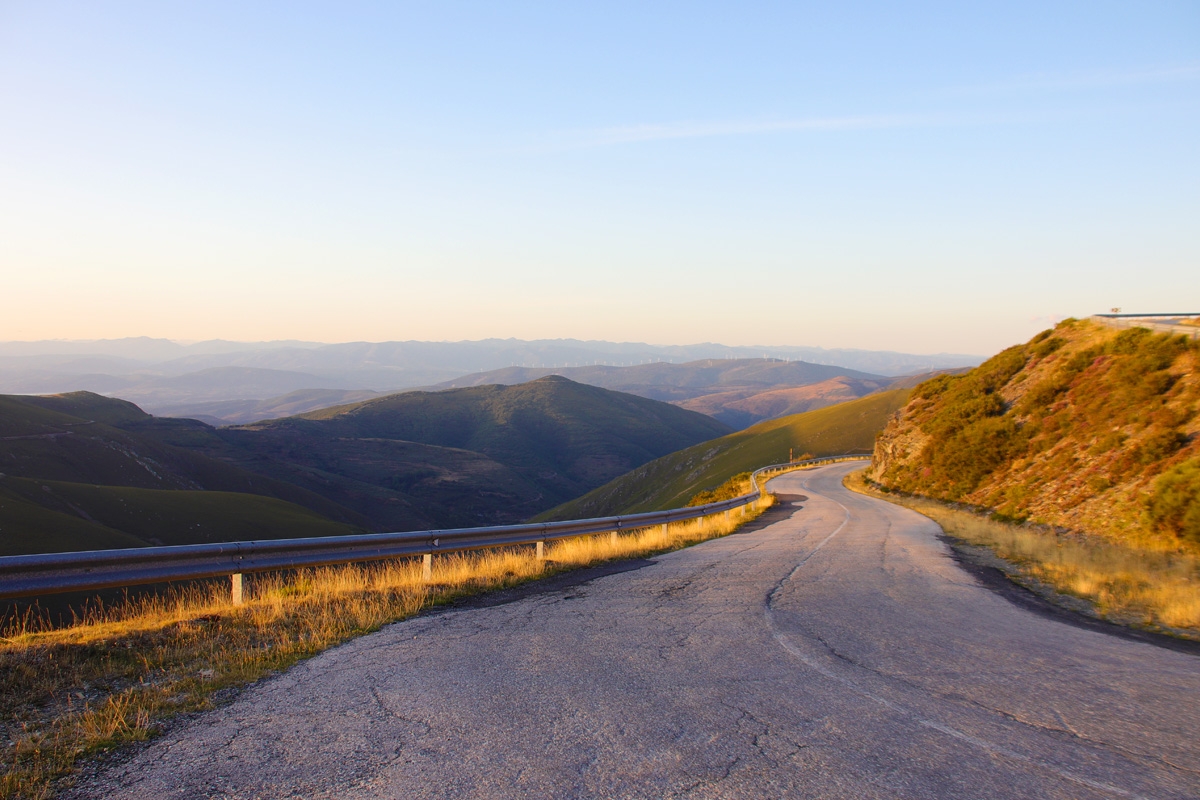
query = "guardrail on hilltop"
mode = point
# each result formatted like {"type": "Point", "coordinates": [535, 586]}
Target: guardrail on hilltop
{"type": "Point", "coordinates": [52, 573]}
{"type": "Point", "coordinates": [1159, 323]}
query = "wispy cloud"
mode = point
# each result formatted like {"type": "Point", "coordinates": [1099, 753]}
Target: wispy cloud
{"type": "Point", "coordinates": [1027, 84]}
{"type": "Point", "coordinates": [651, 132]}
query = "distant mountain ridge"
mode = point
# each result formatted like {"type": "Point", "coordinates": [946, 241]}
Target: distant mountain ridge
{"type": "Point", "coordinates": [143, 369]}
{"type": "Point", "coordinates": [674, 382]}
{"type": "Point", "coordinates": [462, 357]}
{"type": "Point", "coordinates": [738, 392]}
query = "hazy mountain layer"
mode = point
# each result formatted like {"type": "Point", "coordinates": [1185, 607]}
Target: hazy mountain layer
{"type": "Point", "coordinates": [738, 392]}
{"type": "Point", "coordinates": [237, 412]}
{"type": "Point", "coordinates": [166, 377]}
{"type": "Point", "coordinates": [676, 382]}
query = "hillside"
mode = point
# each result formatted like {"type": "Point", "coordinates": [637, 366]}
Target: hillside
{"type": "Point", "coordinates": [741, 408]}
{"type": "Point", "coordinates": [240, 412]}
{"type": "Point", "coordinates": [473, 456]}
{"type": "Point", "coordinates": [672, 480]}
{"type": "Point", "coordinates": [1085, 427]}
{"type": "Point", "coordinates": [738, 392]}
{"type": "Point", "coordinates": [82, 472]}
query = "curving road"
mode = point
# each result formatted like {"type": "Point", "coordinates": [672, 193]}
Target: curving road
{"type": "Point", "coordinates": [836, 652]}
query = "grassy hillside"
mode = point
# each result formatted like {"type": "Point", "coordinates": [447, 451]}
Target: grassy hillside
{"type": "Point", "coordinates": [81, 471]}
{"type": "Point", "coordinates": [27, 527]}
{"type": "Point", "coordinates": [79, 517]}
{"type": "Point", "coordinates": [84, 472]}
{"type": "Point", "coordinates": [473, 456]}
{"type": "Point", "coordinates": [741, 408]}
{"type": "Point", "coordinates": [672, 480]}
{"type": "Point", "coordinates": [738, 392]}
{"type": "Point", "coordinates": [1084, 427]}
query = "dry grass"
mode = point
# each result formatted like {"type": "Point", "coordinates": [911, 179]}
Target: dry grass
{"type": "Point", "coordinates": [119, 674]}
{"type": "Point", "coordinates": [1147, 587]}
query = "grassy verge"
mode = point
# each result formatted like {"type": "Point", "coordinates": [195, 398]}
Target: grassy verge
{"type": "Point", "coordinates": [119, 675]}
{"type": "Point", "coordinates": [1153, 589]}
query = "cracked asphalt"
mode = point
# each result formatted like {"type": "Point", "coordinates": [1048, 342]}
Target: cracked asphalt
{"type": "Point", "coordinates": [837, 652]}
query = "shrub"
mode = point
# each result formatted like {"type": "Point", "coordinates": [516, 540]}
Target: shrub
{"type": "Point", "coordinates": [1175, 505]}
{"type": "Point", "coordinates": [959, 462]}
{"type": "Point", "coordinates": [736, 486]}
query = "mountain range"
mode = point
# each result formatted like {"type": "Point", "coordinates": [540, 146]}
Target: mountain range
{"type": "Point", "coordinates": [230, 382]}
{"type": "Point", "coordinates": [739, 392]}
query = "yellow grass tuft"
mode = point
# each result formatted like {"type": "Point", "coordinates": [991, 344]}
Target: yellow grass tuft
{"type": "Point", "coordinates": [119, 673]}
{"type": "Point", "coordinates": [1145, 586]}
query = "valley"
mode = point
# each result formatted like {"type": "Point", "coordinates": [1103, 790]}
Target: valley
{"type": "Point", "coordinates": [72, 464]}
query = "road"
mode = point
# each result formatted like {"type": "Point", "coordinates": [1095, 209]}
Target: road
{"type": "Point", "coordinates": [836, 652]}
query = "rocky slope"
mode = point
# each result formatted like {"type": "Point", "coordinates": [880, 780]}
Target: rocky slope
{"type": "Point", "coordinates": [1084, 427]}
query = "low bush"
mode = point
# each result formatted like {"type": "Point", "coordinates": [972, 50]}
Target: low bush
{"type": "Point", "coordinates": [1175, 504]}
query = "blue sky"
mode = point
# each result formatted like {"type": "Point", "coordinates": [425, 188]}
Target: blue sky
{"type": "Point", "coordinates": [920, 177]}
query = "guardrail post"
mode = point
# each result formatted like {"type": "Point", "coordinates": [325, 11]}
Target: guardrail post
{"type": "Point", "coordinates": [541, 551]}
{"type": "Point", "coordinates": [427, 567]}
{"type": "Point", "coordinates": [612, 537]}
{"type": "Point", "coordinates": [664, 531]}
{"type": "Point", "coordinates": [236, 585]}
{"type": "Point", "coordinates": [728, 514]}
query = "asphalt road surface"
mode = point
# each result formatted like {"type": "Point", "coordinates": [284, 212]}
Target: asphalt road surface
{"type": "Point", "coordinates": [836, 652]}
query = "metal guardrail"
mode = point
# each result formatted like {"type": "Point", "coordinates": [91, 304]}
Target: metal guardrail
{"type": "Point", "coordinates": [1150, 322]}
{"type": "Point", "coordinates": [51, 573]}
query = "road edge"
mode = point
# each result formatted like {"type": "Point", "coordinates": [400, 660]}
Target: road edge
{"type": "Point", "coordinates": [1003, 578]}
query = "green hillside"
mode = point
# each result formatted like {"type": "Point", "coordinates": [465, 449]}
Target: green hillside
{"type": "Point", "coordinates": [85, 438]}
{"type": "Point", "coordinates": [1085, 427]}
{"type": "Point", "coordinates": [672, 480]}
{"type": "Point", "coordinates": [482, 455]}
{"type": "Point", "coordinates": [27, 527]}
{"type": "Point", "coordinates": [84, 472]}
{"type": "Point", "coordinates": [79, 517]}
{"type": "Point", "coordinates": [81, 471]}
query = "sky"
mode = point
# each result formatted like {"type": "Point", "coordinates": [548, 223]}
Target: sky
{"type": "Point", "coordinates": [922, 177]}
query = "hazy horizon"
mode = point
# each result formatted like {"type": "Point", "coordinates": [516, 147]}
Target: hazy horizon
{"type": "Point", "coordinates": [926, 178]}
{"type": "Point", "coordinates": [191, 343]}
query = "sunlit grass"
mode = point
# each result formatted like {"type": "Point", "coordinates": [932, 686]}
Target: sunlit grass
{"type": "Point", "coordinates": [1149, 587]}
{"type": "Point", "coordinates": [118, 674]}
